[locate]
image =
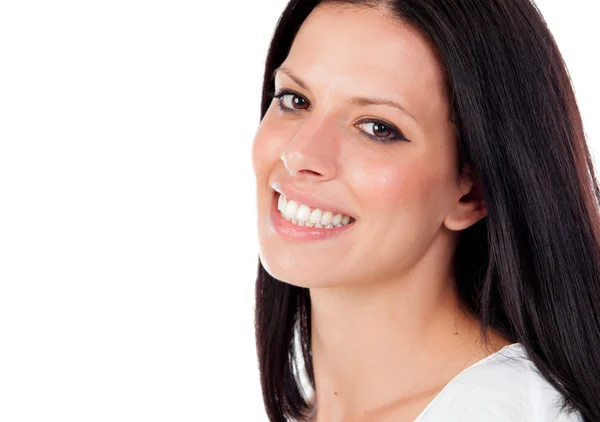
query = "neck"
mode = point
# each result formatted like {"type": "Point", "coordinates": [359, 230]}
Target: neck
{"type": "Point", "coordinates": [380, 345]}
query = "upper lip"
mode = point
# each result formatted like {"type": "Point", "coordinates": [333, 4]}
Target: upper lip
{"type": "Point", "coordinates": [303, 197]}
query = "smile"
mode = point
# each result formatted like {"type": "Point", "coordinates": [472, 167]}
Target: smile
{"type": "Point", "coordinates": [303, 216]}
{"type": "Point", "coordinates": [298, 222]}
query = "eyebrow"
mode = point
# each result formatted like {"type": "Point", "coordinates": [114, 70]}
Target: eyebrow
{"type": "Point", "coordinates": [357, 101]}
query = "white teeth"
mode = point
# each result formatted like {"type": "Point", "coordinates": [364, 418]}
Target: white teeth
{"type": "Point", "coordinates": [290, 209]}
{"type": "Point", "coordinates": [282, 203]}
{"type": "Point", "coordinates": [315, 216]}
{"type": "Point", "coordinates": [337, 219]}
{"type": "Point", "coordinates": [326, 219]}
{"type": "Point", "coordinates": [302, 215]}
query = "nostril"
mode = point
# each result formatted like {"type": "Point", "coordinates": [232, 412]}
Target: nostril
{"type": "Point", "coordinates": [311, 172]}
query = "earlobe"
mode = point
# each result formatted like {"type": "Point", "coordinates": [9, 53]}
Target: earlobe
{"type": "Point", "coordinates": [466, 215]}
{"type": "Point", "coordinates": [470, 208]}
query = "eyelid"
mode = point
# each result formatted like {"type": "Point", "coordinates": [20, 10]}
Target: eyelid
{"type": "Point", "coordinates": [398, 135]}
{"type": "Point", "coordinates": [285, 91]}
{"type": "Point", "coordinates": [278, 95]}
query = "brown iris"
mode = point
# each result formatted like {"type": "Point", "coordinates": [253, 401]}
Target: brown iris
{"type": "Point", "coordinates": [381, 130]}
{"type": "Point", "coordinates": [299, 102]}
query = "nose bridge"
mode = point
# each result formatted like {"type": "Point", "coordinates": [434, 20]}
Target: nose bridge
{"type": "Point", "coordinates": [315, 148]}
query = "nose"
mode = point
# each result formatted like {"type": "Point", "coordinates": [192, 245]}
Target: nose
{"type": "Point", "coordinates": [313, 152]}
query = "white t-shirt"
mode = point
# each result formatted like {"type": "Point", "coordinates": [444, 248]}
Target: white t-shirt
{"type": "Point", "coordinates": [503, 387]}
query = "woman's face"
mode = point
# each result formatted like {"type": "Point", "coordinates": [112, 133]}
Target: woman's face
{"type": "Point", "coordinates": [362, 131]}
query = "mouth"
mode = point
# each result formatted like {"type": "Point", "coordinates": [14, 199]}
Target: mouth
{"type": "Point", "coordinates": [303, 216]}
{"type": "Point", "coordinates": [294, 216]}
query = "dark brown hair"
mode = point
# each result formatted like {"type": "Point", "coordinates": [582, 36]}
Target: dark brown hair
{"type": "Point", "coordinates": [531, 268]}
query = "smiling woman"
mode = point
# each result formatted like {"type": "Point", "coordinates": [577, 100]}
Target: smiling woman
{"type": "Point", "coordinates": [427, 218]}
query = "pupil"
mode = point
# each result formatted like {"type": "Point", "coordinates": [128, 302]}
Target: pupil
{"type": "Point", "coordinates": [299, 101]}
{"type": "Point", "coordinates": [380, 130]}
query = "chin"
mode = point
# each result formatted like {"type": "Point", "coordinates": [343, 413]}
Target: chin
{"type": "Point", "coordinates": [298, 271]}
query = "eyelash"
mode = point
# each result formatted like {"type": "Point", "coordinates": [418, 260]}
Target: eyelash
{"type": "Point", "coordinates": [398, 136]}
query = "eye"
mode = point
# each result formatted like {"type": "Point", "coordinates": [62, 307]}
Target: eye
{"type": "Point", "coordinates": [290, 101]}
{"type": "Point", "coordinates": [381, 131]}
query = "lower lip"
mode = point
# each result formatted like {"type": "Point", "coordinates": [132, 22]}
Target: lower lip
{"type": "Point", "coordinates": [293, 232]}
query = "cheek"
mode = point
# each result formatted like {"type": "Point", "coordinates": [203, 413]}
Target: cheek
{"type": "Point", "coordinates": [267, 146]}
{"type": "Point", "coordinates": [399, 183]}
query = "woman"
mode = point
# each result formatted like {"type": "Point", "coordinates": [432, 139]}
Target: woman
{"type": "Point", "coordinates": [427, 218]}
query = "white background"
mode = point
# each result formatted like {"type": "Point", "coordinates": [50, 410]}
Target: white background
{"type": "Point", "coordinates": [127, 221]}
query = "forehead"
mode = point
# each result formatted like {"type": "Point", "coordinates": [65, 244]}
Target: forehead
{"type": "Point", "coordinates": [345, 48]}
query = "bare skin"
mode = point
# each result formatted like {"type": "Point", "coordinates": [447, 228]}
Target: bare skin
{"type": "Point", "coordinates": [389, 331]}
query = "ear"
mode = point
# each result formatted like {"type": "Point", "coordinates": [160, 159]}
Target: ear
{"type": "Point", "coordinates": [470, 206]}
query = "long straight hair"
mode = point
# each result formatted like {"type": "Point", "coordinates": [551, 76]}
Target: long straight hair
{"type": "Point", "coordinates": [531, 268]}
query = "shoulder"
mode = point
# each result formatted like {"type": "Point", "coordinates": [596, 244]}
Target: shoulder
{"type": "Point", "coordinates": [504, 387]}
